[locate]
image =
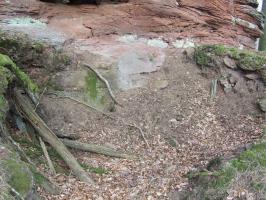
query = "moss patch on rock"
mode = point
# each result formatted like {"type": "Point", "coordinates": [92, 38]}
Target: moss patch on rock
{"type": "Point", "coordinates": [17, 174]}
{"type": "Point", "coordinates": [18, 73]}
{"type": "Point", "coordinates": [215, 56]}
{"type": "Point", "coordinates": [246, 60]}
{"type": "Point", "coordinates": [247, 171]}
{"type": "Point", "coordinates": [5, 78]}
{"type": "Point", "coordinates": [9, 71]}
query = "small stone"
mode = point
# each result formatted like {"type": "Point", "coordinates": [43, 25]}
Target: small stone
{"type": "Point", "coordinates": [173, 122]}
{"type": "Point", "coordinates": [252, 76]}
{"type": "Point", "coordinates": [172, 141]}
{"type": "Point", "coordinates": [226, 85]}
{"type": "Point", "coordinates": [161, 84]}
{"type": "Point", "coordinates": [262, 104]}
{"type": "Point", "coordinates": [230, 63]}
{"type": "Point", "coordinates": [232, 80]}
{"type": "Point", "coordinates": [179, 117]}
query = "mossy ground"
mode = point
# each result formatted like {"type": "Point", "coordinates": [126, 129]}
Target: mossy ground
{"type": "Point", "coordinates": [34, 151]}
{"type": "Point", "coordinates": [17, 174]}
{"type": "Point", "coordinates": [5, 78]}
{"type": "Point", "coordinates": [96, 170]}
{"type": "Point", "coordinates": [247, 60]}
{"type": "Point", "coordinates": [248, 170]}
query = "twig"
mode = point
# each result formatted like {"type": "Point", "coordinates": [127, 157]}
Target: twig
{"type": "Point", "coordinates": [37, 104]}
{"type": "Point", "coordinates": [95, 149]}
{"type": "Point", "coordinates": [47, 185]}
{"type": "Point", "coordinates": [141, 132]}
{"type": "Point", "coordinates": [44, 131]}
{"type": "Point", "coordinates": [105, 82]}
{"type": "Point", "coordinates": [105, 114]}
{"type": "Point", "coordinates": [50, 164]}
{"type": "Point", "coordinates": [213, 88]}
{"type": "Point", "coordinates": [68, 136]}
{"type": "Point", "coordinates": [15, 192]}
{"type": "Point", "coordinates": [80, 102]}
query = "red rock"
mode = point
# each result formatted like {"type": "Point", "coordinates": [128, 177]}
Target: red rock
{"type": "Point", "coordinates": [205, 21]}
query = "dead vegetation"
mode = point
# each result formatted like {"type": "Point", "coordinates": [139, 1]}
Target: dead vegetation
{"type": "Point", "coordinates": [170, 131]}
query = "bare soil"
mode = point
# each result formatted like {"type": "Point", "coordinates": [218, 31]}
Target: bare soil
{"type": "Point", "coordinates": [183, 127]}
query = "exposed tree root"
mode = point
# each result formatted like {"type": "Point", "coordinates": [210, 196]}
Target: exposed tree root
{"type": "Point", "coordinates": [43, 130]}
{"type": "Point", "coordinates": [79, 102]}
{"type": "Point", "coordinates": [105, 82]}
{"type": "Point", "coordinates": [69, 136]}
{"type": "Point", "coordinates": [105, 114]}
{"type": "Point", "coordinates": [94, 149]}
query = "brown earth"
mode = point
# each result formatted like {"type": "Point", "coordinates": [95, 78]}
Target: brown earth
{"type": "Point", "coordinates": [183, 127]}
{"type": "Point", "coordinates": [161, 91]}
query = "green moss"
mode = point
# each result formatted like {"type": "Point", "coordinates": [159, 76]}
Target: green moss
{"type": "Point", "coordinates": [19, 177]}
{"type": "Point", "coordinates": [5, 78]}
{"type": "Point", "coordinates": [39, 178]}
{"type": "Point", "coordinates": [201, 57]}
{"type": "Point", "coordinates": [38, 47]}
{"type": "Point", "coordinates": [249, 163]}
{"type": "Point", "coordinates": [214, 163]}
{"type": "Point", "coordinates": [20, 75]}
{"type": "Point", "coordinates": [91, 85]}
{"type": "Point", "coordinates": [96, 170]}
{"type": "Point", "coordinates": [247, 60]}
{"type": "Point", "coordinates": [34, 150]}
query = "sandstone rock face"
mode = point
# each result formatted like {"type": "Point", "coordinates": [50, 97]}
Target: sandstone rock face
{"type": "Point", "coordinates": [234, 22]}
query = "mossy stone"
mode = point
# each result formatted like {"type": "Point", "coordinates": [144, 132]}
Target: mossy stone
{"type": "Point", "coordinates": [262, 104]}
{"type": "Point", "coordinates": [17, 174]}
{"type": "Point", "coordinates": [246, 60]}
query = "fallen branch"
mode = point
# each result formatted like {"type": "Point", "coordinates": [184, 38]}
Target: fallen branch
{"type": "Point", "coordinates": [37, 104]}
{"type": "Point", "coordinates": [141, 132]}
{"type": "Point", "coordinates": [43, 130]}
{"type": "Point", "coordinates": [50, 164]}
{"type": "Point", "coordinates": [213, 88]}
{"type": "Point", "coordinates": [69, 136]}
{"type": "Point", "coordinates": [79, 102]}
{"type": "Point", "coordinates": [94, 149]}
{"type": "Point", "coordinates": [105, 114]}
{"type": "Point", "coordinates": [105, 82]}
{"type": "Point", "coordinates": [16, 193]}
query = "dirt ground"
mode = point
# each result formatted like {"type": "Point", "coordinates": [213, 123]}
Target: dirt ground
{"type": "Point", "coordinates": [184, 129]}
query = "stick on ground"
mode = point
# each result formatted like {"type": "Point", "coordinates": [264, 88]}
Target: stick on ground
{"type": "Point", "coordinates": [50, 164]}
{"type": "Point", "coordinates": [94, 149]}
{"type": "Point", "coordinates": [105, 114]}
{"type": "Point", "coordinates": [43, 130]}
